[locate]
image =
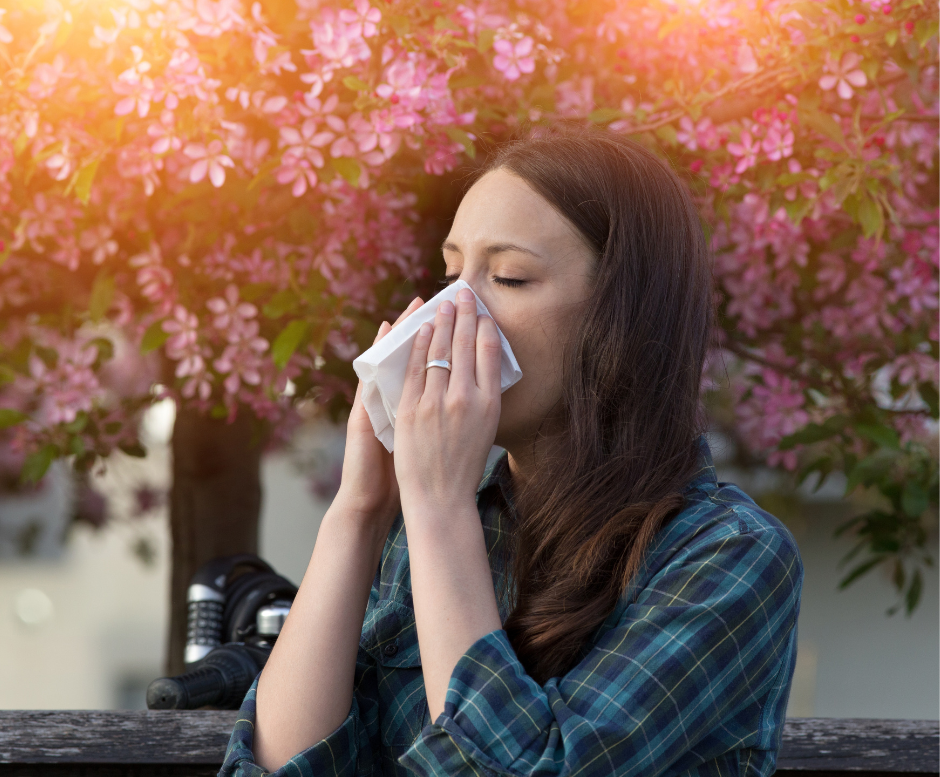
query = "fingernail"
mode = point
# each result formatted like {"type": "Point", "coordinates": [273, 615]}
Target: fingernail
{"type": "Point", "coordinates": [425, 329]}
{"type": "Point", "coordinates": [446, 307]}
{"type": "Point", "coordinates": [465, 295]}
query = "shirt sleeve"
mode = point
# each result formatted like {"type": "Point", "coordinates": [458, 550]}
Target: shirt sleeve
{"type": "Point", "coordinates": [350, 751]}
{"type": "Point", "coordinates": [710, 635]}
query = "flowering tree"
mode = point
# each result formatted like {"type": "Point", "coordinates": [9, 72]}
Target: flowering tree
{"type": "Point", "coordinates": [223, 198]}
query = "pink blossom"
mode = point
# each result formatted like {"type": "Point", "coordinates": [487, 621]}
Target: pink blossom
{"type": "Point", "coordinates": [215, 18]}
{"type": "Point", "coordinates": [513, 59]}
{"type": "Point", "coordinates": [5, 35]}
{"type": "Point", "coordinates": [183, 328]}
{"type": "Point", "coordinates": [230, 312]}
{"type": "Point", "coordinates": [745, 60]}
{"type": "Point", "coordinates": [777, 144]}
{"type": "Point", "coordinates": [363, 20]}
{"type": "Point", "coordinates": [845, 74]}
{"type": "Point", "coordinates": [747, 149]}
{"type": "Point", "coordinates": [139, 93]}
{"type": "Point", "coordinates": [167, 138]}
{"type": "Point", "coordinates": [241, 361]}
{"type": "Point", "coordinates": [208, 159]}
{"type": "Point", "coordinates": [302, 154]}
{"type": "Point", "coordinates": [338, 43]}
{"type": "Point", "coordinates": [99, 241]}
{"type": "Point", "coordinates": [694, 136]}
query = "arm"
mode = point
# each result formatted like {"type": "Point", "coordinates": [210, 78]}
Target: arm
{"type": "Point", "coordinates": [699, 665]}
{"type": "Point", "coordinates": [305, 692]}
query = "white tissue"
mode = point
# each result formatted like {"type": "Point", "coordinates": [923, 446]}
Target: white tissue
{"type": "Point", "coordinates": [382, 368]}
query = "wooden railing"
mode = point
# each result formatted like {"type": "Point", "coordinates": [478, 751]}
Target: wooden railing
{"type": "Point", "coordinates": [169, 743]}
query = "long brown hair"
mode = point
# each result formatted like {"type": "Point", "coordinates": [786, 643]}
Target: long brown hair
{"type": "Point", "coordinates": [631, 406]}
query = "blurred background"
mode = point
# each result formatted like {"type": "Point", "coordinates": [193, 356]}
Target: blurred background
{"type": "Point", "coordinates": [84, 581]}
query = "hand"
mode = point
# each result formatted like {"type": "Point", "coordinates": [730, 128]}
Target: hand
{"type": "Point", "coordinates": [447, 421]}
{"type": "Point", "coordinates": [368, 489]}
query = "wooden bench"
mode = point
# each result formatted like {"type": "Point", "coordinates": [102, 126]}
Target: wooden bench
{"type": "Point", "coordinates": [170, 743]}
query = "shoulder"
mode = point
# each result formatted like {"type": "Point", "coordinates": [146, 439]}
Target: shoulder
{"type": "Point", "coordinates": [722, 543]}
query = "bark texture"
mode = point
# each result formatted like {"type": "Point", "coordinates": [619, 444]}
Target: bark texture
{"type": "Point", "coordinates": [215, 503]}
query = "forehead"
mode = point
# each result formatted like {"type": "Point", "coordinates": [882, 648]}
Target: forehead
{"type": "Point", "coordinates": [502, 208]}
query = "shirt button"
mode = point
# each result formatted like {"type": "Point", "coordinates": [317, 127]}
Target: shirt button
{"type": "Point", "coordinates": [390, 650]}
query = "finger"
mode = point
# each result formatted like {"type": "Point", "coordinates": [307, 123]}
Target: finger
{"type": "Point", "coordinates": [463, 347]}
{"type": "Point", "coordinates": [415, 374]}
{"type": "Point", "coordinates": [384, 329]}
{"type": "Point", "coordinates": [489, 353]}
{"type": "Point", "coordinates": [438, 377]}
{"type": "Point", "coordinates": [416, 303]}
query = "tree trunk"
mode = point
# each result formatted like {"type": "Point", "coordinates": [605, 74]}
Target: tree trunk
{"type": "Point", "coordinates": [215, 503]}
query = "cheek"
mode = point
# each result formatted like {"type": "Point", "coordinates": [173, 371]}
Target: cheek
{"type": "Point", "coordinates": [537, 344]}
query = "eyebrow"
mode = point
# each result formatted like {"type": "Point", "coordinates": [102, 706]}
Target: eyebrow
{"type": "Point", "coordinates": [493, 248]}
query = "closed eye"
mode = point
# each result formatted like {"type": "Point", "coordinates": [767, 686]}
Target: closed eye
{"type": "Point", "coordinates": [510, 282]}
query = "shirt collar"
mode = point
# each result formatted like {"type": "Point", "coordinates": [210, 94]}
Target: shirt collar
{"type": "Point", "coordinates": [497, 472]}
{"type": "Point", "coordinates": [705, 478]}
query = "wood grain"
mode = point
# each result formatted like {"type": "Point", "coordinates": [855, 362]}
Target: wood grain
{"type": "Point", "coordinates": [174, 743]}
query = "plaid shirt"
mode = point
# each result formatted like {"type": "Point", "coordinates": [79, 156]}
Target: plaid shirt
{"type": "Point", "coordinates": [690, 678]}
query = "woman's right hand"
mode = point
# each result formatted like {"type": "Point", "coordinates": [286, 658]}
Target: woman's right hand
{"type": "Point", "coordinates": [368, 490]}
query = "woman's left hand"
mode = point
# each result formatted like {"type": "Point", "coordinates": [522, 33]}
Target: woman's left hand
{"type": "Point", "coordinates": [447, 421]}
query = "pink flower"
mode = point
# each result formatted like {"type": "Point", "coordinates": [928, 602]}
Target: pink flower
{"type": "Point", "coordinates": [99, 241]}
{"type": "Point", "coordinates": [139, 91]}
{"type": "Point", "coordinates": [778, 145]}
{"type": "Point", "coordinates": [845, 74]}
{"type": "Point", "coordinates": [513, 59]}
{"type": "Point", "coordinates": [230, 313]}
{"type": "Point", "coordinates": [746, 62]}
{"type": "Point", "coordinates": [363, 20]}
{"type": "Point", "coordinates": [216, 17]}
{"type": "Point", "coordinates": [302, 155]}
{"type": "Point", "coordinates": [165, 134]}
{"type": "Point", "coordinates": [747, 149]}
{"type": "Point", "coordinates": [241, 360]}
{"type": "Point", "coordinates": [5, 35]}
{"type": "Point", "coordinates": [694, 136]}
{"type": "Point", "coordinates": [208, 159]}
{"type": "Point", "coordinates": [183, 328]}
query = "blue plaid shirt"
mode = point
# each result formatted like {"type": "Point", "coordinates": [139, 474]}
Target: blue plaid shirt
{"type": "Point", "coordinates": [690, 678]}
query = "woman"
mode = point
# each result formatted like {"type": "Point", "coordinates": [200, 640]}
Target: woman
{"type": "Point", "coordinates": [595, 603]}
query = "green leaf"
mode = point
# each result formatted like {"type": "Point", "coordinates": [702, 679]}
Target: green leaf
{"type": "Point", "coordinates": [134, 449]}
{"type": "Point", "coordinates": [348, 168]}
{"type": "Point", "coordinates": [443, 23]}
{"type": "Point", "coordinates": [459, 136]}
{"type": "Point", "coordinates": [10, 417]}
{"type": "Point", "coordinates": [928, 392]}
{"type": "Point", "coordinates": [822, 123]}
{"type": "Point", "coordinates": [281, 303]}
{"type": "Point", "coordinates": [84, 180]}
{"type": "Point", "coordinates": [871, 218]}
{"type": "Point", "coordinates": [355, 84]}
{"type": "Point", "coordinates": [485, 40]}
{"type": "Point", "coordinates": [913, 593]}
{"type": "Point", "coordinates": [80, 422]}
{"type": "Point", "coordinates": [860, 570]}
{"type": "Point", "coordinates": [604, 115]}
{"type": "Point", "coordinates": [288, 341]}
{"type": "Point", "coordinates": [37, 464]}
{"type": "Point", "coordinates": [667, 134]}
{"type": "Point", "coordinates": [878, 433]}
{"type": "Point", "coordinates": [914, 499]}
{"type": "Point", "coordinates": [154, 337]}
{"type": "Point", "coordinates": [466, 82]}
{"type": "Point", "coordinates": [924, 30]}
{"type": "Point", "coordinates": [891, 37]}
{"type": "Point", "coordinates": [102, 292]}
